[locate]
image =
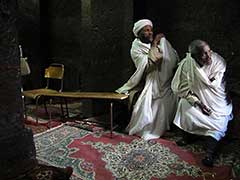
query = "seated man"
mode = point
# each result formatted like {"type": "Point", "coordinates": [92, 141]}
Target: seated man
{"type": "Point", "coordinates": [152, 100]}
{"type": "Point", "coordinates": [203, 108]}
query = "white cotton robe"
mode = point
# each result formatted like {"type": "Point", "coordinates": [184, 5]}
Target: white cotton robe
{"type": "Point", "coordinates": [192, 83]}
{"type": "Point", "coordinates": [155, 108]}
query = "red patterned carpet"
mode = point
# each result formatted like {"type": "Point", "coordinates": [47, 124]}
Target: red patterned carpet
{"type": "Point", "coordinates": [44, 122]}
{"type": "Point", "coordinates": [96, 156]}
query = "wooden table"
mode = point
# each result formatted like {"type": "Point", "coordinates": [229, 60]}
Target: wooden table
{"type": "Point", "coordinates": [111, 96]}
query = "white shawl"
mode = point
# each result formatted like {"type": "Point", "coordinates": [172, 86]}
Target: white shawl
{"type": "Point", "coordinates": [212, 94]}
{"type": "Point", "coordinates": [190, 77]}
{"type": "Point", "coordinates": [157, 84]}
{"type": "Point", "coordinates": [162, 77]}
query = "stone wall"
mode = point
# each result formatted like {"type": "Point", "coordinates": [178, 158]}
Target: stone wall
{"type": "Point", "coordinates": [215, 21]}
{"type": "Point", "coordinates": [29, 32]}
{"type": "Point", "coordinates": [92, 39]}
{"type": "Point", "coordinates": [17, 151]}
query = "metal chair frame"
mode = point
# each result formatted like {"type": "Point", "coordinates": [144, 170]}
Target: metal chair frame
{"type": "Point", "coordinates": [54, 71]}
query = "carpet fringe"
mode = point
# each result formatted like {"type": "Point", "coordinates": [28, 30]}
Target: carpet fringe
{"type": "Point", "coordinates": [39, 134]}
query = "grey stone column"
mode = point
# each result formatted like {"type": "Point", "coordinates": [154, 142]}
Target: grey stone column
{"type": "Point", "coordinates": [17, 152]}
{"type": "Point", "coordinates": [86, 50]}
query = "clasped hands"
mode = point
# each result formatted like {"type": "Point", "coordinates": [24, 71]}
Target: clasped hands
{"type": "Point", "coordinates": [157, 39]}
{"type": "Point", "coordinates": [155, 54]}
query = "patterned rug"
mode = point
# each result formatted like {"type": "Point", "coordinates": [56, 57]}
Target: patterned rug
{"type": "Point", "coordinates": [74, 108]}
{"type": "Point", "coordinates": [75, 118]}
{"type": "Point", "coordinates": [46, 122]}
{"type": "Point", "coordinates": [43, 123]}
{"type": "Point", "coordinates": [96, 156]}
{"type": "Point", "coordinates": [36, 128]}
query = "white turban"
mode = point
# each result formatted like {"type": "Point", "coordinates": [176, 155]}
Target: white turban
{"type": "Point", "coordinates": [140, 24]}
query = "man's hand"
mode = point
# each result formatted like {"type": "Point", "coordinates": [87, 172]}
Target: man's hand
{"type": "Point", "coordinates": [155, 54]}
{"type": "Point", "coordinates": [157, 39]}
{"type": "Point", "coordinates": [204, 108]}
{"type": "Point", "coordinates": [212, 79]}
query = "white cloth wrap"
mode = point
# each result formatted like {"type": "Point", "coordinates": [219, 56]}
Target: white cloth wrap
{"type": "Point", "coordinates": [190, 77]}
{"type": "Point", "coordinates": [155, 108]}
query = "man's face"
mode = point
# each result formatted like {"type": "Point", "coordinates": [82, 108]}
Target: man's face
{"type": "Point", "coordinates": [146, 34]}
{"type": "Point", "coordinates": [204, 57]}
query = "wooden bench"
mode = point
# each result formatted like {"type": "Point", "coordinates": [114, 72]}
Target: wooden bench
{"type": "Point", "coordinates": [110, 96]}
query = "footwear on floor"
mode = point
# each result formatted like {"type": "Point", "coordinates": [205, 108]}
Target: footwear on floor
{"type": "Point", "coordinates": [182, 142]}
{"type": "Point", "coordinates": [208, 161]}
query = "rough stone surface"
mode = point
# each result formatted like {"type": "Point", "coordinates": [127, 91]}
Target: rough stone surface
{"type": "Point", "coordinates": [215, 21]}
{"type": "Point", "coordinates": [16, 142]}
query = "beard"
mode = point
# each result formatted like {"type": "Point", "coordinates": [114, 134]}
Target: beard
{"type": "Point", "coordinates": [146, 39]}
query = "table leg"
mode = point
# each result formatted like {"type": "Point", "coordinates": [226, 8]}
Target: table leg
{"type": "Point", "coordinates": [111, 118]}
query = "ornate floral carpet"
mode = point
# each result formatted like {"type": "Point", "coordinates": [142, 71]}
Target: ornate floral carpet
{"type": "Point", "coordinates": [96, 156]}
{"type": "Point", "coordinates": [45, 122]}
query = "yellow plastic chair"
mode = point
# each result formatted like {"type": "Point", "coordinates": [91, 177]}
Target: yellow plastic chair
{"type": "Point", "coordinates": [55, 71]}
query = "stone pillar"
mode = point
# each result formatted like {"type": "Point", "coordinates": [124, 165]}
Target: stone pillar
{"type": "Point", "coordinates": [17, 152]}
{"type": "Point", "coordinates": [127, 66]}
{"type": "Point", "coordinates": [86, 31]}
{"type": "Point", "coordinates": [86, 14]}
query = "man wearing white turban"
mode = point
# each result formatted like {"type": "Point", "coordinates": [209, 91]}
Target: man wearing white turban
{"type": "Point", "coordinates": [204, 108]}
{"type": "Point", "coordinates": [155, 61]}
{"type": "Point", "coordinates": [140, 24]}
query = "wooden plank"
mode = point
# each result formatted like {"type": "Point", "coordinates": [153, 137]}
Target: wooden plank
{"type": "Point", "coordinates": [87, 95]}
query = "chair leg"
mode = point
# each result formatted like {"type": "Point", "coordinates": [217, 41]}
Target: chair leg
{"type": "Point", "coordinates": [62, 111]}
{"type": "Point", "coordinates": [50, 114]}
{"type": "Point", "coordinates": [111, 119]}
{"type": "Point", "coordinates": [45, 106]}
{"type": "Point", "coordinates": [37, 99]}
{"type": "Point", "coordinates": [66, 105]}
{"type": "Point", "coordinates": [24, 108]}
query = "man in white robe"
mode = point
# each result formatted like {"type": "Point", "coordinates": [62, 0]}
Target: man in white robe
{"type": "Point", "coordinates": [203, 108]}
{"type": "Point", "coordinates": [155, 62]}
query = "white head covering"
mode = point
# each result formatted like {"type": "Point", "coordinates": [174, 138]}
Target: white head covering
{"type": "Point", "coordinates": [140, 24]}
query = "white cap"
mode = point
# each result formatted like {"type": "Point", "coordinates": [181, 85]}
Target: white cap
{"type": "Point", "coordinates": [140, 24]}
